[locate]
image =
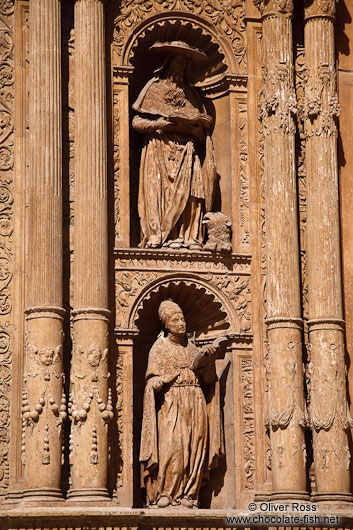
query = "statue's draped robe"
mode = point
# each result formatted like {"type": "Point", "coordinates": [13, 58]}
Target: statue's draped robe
{"type": "Point", "coordinates": [174, 190]}
{"type": "Point", "coordinates": [182, 436]}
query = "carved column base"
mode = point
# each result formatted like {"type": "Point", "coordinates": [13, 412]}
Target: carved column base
{"type": "Point", "coordinates": [90, 405]}
{"type": "Point", "coordinates": [332, 500]}
{"type": "Point", "coordinates": [282, 496]}
{"type": "Point", "coordinates": [40, 495]}
{"type": "Point", "coordinates": [87, 495]}
{"type": "Point", "coordinates": [43, 403]}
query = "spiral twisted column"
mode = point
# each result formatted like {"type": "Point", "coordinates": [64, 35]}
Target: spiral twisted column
{"type": "Point", "coordinates": [90, 402]}
{"type": "Point", "coordinates": [43, 403]}
{"type": "Point", "coordinates": [329, 416]}
{"type": "Point", "coordinates": [286, 407]}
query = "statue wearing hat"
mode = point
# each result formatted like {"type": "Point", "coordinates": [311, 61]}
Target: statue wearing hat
{"type": "Point", "coordinates": [182, 435]}
{"type": "Point", "coordinates": [175, 189]}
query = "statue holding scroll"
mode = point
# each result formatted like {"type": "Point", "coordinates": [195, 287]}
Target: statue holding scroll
{"type": "Point", "coordinates": [175, 189]}
{"type": "Point", "coordinates": [182, 436]}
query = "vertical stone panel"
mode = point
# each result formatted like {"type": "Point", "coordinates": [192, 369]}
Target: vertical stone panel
{"type": "Point", "coordinates": [6, 228]}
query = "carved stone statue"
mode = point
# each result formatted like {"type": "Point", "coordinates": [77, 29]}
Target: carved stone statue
{"type": "Point", "coordinates": [175, 189]}
{"type": "Point", "coordinates": [182, 436]}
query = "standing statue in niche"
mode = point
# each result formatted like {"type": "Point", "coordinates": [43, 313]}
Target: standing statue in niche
{"type": "Point", "coordinates": [182, 437]}
{"type": "Point", "coordinates": [175, 189]}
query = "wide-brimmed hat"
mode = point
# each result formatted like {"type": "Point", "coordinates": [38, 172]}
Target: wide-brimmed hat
{"type": "Point", "coordinates": [178, 46]}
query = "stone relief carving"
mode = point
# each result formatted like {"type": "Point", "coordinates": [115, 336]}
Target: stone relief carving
{"type": "Point", "coordinates": [181, 437]}
{"type": "Point", "coordinates": [218, 231]}
{"type": "Point", "coordinates": [294, 408]}
{"type": "Point", "coordinates": [248, 423]}
{"type": "Point", "coordinates": [175, 189]}
{"type": "Point", "coordinates": [116, 158]}
{"type": "Point", "coordinates": [321, 107]}
{"type": "Point", "coordinates": [320, 7]}
{"type": "Point", "coordinates": [227, 16]}
{"type": "Point", "coordinates": [230, 275]}
{"type": "Point", "coordinates": [276, 6]}
{"type": "Point", "coordinates": [243, 174]}
{"type": "Point", "coordinates": [325, 385]}
{"type": "Point", "coordinates": [6, 228]}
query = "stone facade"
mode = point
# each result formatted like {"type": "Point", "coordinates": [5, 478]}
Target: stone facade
{"type": "Point", "coordinates": [246, 157]}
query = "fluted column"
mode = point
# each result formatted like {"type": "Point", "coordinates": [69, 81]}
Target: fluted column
{"type": "Point", "coordinates": [286, 416]}
{"type": "Point", "coordinates": [329, 414]}
{"type": "Point", "coordinates": [43, 405]}
{"type": "Point", "coordinates": [90, 403]}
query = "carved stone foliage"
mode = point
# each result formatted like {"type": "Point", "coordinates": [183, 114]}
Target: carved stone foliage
{"type": "Point", "coordinates": [227, 16]}
{"type": "Point", "coordinates": [326, 382]}
{"type": "Point", "coordinates": [300, 74]}
{"type": "Point", "coordinates": [248, 423]}
{"type": "Point", "coordinates": [321, 107]}
{"type": "Point", "coordinates": [320, 7]}
{"type": "Point", "coordinates": [290, 384]}
{"type": "Point", "coordinates": [274, 6]}
{"type": "Point", "coordinates": [119, 412]}
{"type": "Point", "coordinates": [137, 272]}
{"type": "Point", "coordinates": [243, 174]}
{"type": "Point", "coordinates": [6, 227]}
{"type": "Point", "coordinates": [116, 161]}
{"type": "Point", "coordinates": [278, 102]}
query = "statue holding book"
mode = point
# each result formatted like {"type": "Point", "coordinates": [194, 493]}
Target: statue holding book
{"type": "Point", "coordinates": [182, 437]}
{"type": "Point", "coordinates": [176, 188]}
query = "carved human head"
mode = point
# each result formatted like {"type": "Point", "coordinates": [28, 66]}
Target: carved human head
{"type": "Point", "coordinates": [94, 355]}
{"type": "Point", "coordinates": [172, 317]}
{"type": "Point", "coordinates": [46, 356]}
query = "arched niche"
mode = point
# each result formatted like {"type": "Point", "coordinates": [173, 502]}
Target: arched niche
{"type": "Point", "coordinates": [208, 314]}
{"type": "Point", "coordinates": [223, 88]}
{"type": "Point", "coordinates": [206, 310]}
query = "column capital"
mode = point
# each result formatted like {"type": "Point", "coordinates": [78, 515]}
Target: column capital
{"type": "Point", "coordinates": [319, 8]}
{"type": "Point", "coordinates": [274, 7]}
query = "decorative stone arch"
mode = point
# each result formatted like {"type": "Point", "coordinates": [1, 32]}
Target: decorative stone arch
{"type": "Point", "coordinates": [176, 25]}
{"type": "Point", "coordinates": [206, 309]}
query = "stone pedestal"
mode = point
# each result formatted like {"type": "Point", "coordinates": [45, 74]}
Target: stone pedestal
{"type": "Point", "coordinates": [43, 404]}
{"type": "Point", "coordinates": [90, 402]}
{"type": "Point", "coordinates": [330, 419]}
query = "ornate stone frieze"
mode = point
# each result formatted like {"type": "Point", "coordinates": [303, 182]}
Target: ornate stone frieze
{"type": "Point", "coordinates": [137, 271]}
{"type": "Point", "coordinates": [226, 16]}
{"type": "Point", "coordinates": [116, 162]}
{"type": "Point", "coordinates": [6, 228]}
{"type": "Point", "coordinates": [244, 175]}
{"type": "Point", "coordinates": [248, 423]}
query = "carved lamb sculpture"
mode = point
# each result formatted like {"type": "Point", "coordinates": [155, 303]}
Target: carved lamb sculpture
{"type": "Point", "coordinates": [218, 230]}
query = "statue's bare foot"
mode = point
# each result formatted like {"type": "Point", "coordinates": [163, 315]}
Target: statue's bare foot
{"type": "Point", "coordinates": [163, 502]}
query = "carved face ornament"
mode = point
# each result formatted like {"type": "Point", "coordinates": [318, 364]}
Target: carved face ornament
{"type": "Point", "coordinates": [46, 356]}
{"type": "Point", "coordinates": [94, 356]}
